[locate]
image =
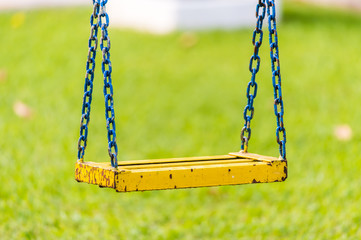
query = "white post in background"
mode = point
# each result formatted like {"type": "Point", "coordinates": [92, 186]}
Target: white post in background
{"type": "Point", "coordinates": [164, 16]}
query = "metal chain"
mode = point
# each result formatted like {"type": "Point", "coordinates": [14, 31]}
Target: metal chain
{"type": "Point", "coordinates": [252, 85]}
{"type": "Point", "coordinates": [276, 77]}
{"type": "Point", "coordinates": [108, 87]}
{"type": "Point", "coordinates": [89, 77]}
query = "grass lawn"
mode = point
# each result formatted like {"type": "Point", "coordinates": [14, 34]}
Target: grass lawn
{"type": "Point", "coordinates": [173, 100]}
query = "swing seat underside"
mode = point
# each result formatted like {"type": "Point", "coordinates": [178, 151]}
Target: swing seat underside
{"type": "Point", "coordinates": [157, 174]}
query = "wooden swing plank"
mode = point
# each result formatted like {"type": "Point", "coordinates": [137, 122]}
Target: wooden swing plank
{"type": "Point", "coordinates": [143, 175]}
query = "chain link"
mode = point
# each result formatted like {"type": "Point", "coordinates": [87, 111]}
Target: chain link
{"type": "Point", "coordinates": [254, 66]}
{"type": "Point", "coordinates": [89, 77]}
{"type": "Point", "coordinates": [108, 87]}
{"type": "Point", "coordinates": [98, 19]}
{"type": "Point", "coordinates": [264, 6]}
{"type": "Point", "coordinates": [276, 77]}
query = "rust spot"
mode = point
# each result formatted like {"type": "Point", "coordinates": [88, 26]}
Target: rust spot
{"type": "Point", "coordinates": [125, 188]}
{"type": "Point", "coordinates": [191, 169]}
{"type": "Point", "coordinates": [286, 173]}
{"type": "Point", "coordinates": [170, 176]}
{"type": "Point", "coordinates": [269, 164]}
{"type": "Point", "coordinates": [175, 186]}
{"type": "Point", "coordinates": [107, 181]}
{"type": "Point", "coordinates": [254, 165]}
{"type": "Point", "coordinates": [254, 181]}
{"type": "Point", "coordinates": [229, 170]}
{"type": "Point", "coordinates": [141, 176]}
{"type": "Point", "coordinates": [136, 189]}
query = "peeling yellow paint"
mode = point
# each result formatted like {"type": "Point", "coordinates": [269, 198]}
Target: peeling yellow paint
{"type": "Point", "coordinates": [91, 173]}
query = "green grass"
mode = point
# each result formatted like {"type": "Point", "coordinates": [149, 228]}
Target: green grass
{"type": "Point", "coordinates": [176, 101]}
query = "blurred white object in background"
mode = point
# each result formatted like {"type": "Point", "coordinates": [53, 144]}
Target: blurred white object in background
{"type": "Point", "coordinates": [163, 16]}
{"type": "Point", "coordinates": [26, 4]}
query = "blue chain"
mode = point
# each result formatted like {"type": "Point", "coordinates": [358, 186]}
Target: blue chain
{"type": "Point", "coordinates": [99, 19]}
{"type": "Point", "coordinates": [276, 78]}
{"type": "Point", "coordinates": [252, 85]}
{"type": "Point", "coordinates": [108, 87]}
{"type": "Point", "coordinates": [89, 77]}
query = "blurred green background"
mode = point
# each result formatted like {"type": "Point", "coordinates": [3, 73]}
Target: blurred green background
{"type": "Point", "coordinates": [180, 95]}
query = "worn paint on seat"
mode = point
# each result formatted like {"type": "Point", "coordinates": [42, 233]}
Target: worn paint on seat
{"type": "Point", "coordinates": [142, 175]}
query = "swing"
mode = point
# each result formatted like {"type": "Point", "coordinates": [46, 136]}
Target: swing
{"type": "Point", "coordinates": [231, 169]}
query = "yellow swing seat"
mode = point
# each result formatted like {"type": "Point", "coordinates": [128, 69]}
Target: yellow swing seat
{"type": "Point", "coordinates": [174, 173]}
{"type": "Point", "coordinates": [190, 172]}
